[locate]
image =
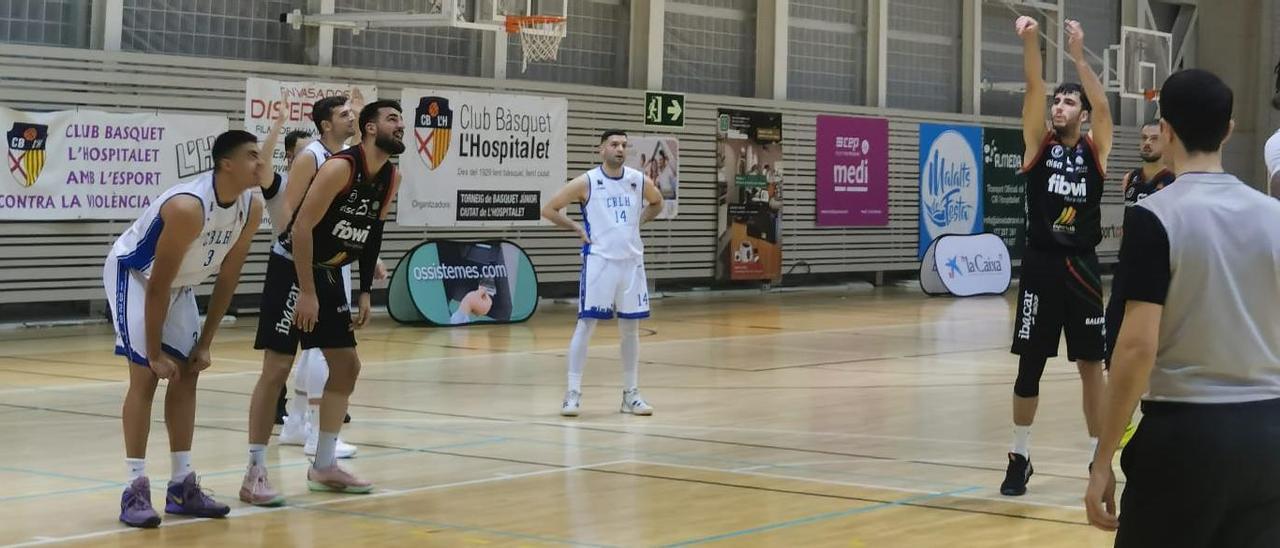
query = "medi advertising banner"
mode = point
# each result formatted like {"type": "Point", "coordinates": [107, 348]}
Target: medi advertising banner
{"type": "Point", "coordinates": [263, 94]}
{"type": "Point", "coordinates": [480, 159]}
{"type": "Point", "coordinates": [852, 171]}
{"type": "Point", "coordinates": [950, 181]}
{"type": "Point", "coordinates": [452, 283]}
{"type": "Point", "coordinates": [86, 164]}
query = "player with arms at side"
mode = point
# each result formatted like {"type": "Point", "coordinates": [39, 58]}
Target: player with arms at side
{"type": "Point", "coordinates": [615, 201]}
{"type": "Point", "coordinates": [1060, 285]}
{"type": "Point", "coordinates": [339, 221]}
{"type": "Point", "coordinates": [335, 120]}
{"type": "Point", "coordinates": [189, 232]}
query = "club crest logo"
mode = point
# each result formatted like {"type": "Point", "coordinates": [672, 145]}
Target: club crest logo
{"type": "Point", "coordinates": [27, 151]}
{"type": "Point", "coordinates": [433, 128]}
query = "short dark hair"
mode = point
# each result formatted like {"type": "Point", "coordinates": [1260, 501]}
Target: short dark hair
{"type": "Point", "coordinates": [323, 109]}
{"type": "Point", "coordinates": [291, 139]}
{"type": "Point", "coordinates": [369, 114]}
{"type": "Point", "coordinates": [1197, 105]}
{"type": "Point", "coordinates": [228, 142]}
{"type": "Point", "coordinates": [611, 133]}
{"type": "Point", "coordinates": [1072, 87]}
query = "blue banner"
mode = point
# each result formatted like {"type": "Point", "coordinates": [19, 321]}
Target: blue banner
{"type": "Point", "coordinates": [950, 181]}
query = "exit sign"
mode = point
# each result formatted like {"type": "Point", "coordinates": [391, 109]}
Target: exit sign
{"type": "Point", "coordinates": [664, 109]}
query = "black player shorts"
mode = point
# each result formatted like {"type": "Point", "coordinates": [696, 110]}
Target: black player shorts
{"type": "Point", "coordinates": [1202, 475]}
{"type": "Point", "coordinates": [276, 329]}
{"type": "Point", "coordinates": [1059, 292]}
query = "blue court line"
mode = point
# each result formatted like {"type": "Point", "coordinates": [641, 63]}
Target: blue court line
{"type": "Point", "coordinates": [441, 525]}
{"type": "Point", "coordinates": [58, 475]}
{"type": "Point", "coordinates": [819, 517]}
{"type": "Point", "coordinates": [107, 485]}
{"type": "Point", "coordinates": [880, 478]}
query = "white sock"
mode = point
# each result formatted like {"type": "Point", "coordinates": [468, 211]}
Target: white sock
{"type": "Point", "coordinates": [180, 462]}
{"type": "Point", "coordinates": [317, 373]}
{"type": "Point", "coordinates": [578, 351]}
{"type": "Point", "coordinates": [325, 448]}
{"type": "Point", "coordinates": [297, 408]}
{"type": "Point", "coordinates": [1022, 440]}
{"type": "Point", "coordinates": [313, 416]}
{"type": "Point", "coordinates": [257, 454]}
{"type": "Point", "coordinates": [137, 468]}
{"type": "Point", "coordinates": [1093, 447]}
{"type": "Point", "coordinates": [629, 332]}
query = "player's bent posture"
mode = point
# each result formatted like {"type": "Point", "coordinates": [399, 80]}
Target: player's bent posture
{"type": "Point", "coordinates": [1060, 288]}
{"type": "Point", "coordinates": [615, 201]}
{"type": "Point", "coordinates": [190, 232]}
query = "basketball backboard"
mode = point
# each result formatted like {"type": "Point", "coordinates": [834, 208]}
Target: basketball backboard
{"type": "Point", "coordinates": [488, 15]}
{"type": "Point", "coordinates": [1145, 60]}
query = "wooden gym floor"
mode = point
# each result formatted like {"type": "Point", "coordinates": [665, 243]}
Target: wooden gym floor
{"type": "Point", "coordinates": [813, 418]}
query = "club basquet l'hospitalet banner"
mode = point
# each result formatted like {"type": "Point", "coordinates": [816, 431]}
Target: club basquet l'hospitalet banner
{"type": "Point", "coordinates": [852, 172]}
{"type": "Point", "coordinates": [480, 159]}
{"type": "Point", "coordinates": [86, 164]}
{"type": "Point", "coordinates": [749, 182]}
{"type": "Point", "coordinates": [452, 283]}
{"type": "Point", "coordinates": [263, 94]}
{"type": "Point", "coordinates": [950, 181]}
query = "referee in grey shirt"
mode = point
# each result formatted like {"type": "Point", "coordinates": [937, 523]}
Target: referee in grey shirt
{"type": "Point", "coordinates": [1201, 336]}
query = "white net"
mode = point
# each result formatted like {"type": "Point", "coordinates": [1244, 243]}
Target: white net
{"type": "Point", "coordinates": [540, 39]}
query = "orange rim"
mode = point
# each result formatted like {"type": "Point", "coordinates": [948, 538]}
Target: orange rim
{"type": "Point", "coordinates": [516, 22]}
{"type": "Point", "coordinates": [1151, 94]}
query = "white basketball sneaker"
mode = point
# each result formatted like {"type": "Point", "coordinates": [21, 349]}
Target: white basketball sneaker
{"type": "Point", "coordinates": [342, 450]}
{"type": "Point", "coordinates": [633, 403]}
{"type": "Point", "coordinates": [296, 430]}
{"type": "Point", "coordinates": [572, 401]}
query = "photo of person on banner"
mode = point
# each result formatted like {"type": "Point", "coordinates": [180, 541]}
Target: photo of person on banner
{"type": "Point", "coordinates": [659, 159]}
{"type": "Point", "coordinates": [478, 287]}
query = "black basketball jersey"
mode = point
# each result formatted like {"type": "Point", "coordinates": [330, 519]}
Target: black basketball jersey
{"type": "Point", "coordinates": [1064, 193]}
{"type": "Point", "coordinates": [341, 235]}
{"type": "Point", "coordinates": [1136, 187]}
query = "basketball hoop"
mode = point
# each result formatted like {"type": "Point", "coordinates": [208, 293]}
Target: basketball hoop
{"type": "Point", "coordinates": [540, 36]}
{"type": "Point", "coordinates": [1151, 95]}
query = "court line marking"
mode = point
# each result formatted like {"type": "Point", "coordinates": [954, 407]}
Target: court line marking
{"type": "Point", "coordinates": [463, 528]}
{"type": "Point", "coordinates": [818, 517]}
{"type": "Point", "coordinates": [257, 510]}
{"type": "Point", "coordinates": [1005, 500]}
{"type": "Point", "coordinates": [429, 359]}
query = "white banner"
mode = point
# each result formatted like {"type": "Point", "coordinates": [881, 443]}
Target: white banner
{"type": "Point", "coordinates": [480, 159]}
{"type": "Point", "coordinates": [966, 266]}
{"type": "Point", "coordinates": [88, 164]}
{"type": "Point", "coordinates": [658, 157]}
{"type": "Point", "coordinates": [261, 96]}
{"type": "Point", "coordinates": [1112, 228]}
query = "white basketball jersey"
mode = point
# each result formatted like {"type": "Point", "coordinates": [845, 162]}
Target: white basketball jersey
{"type": "Point", "coordinates": [277, 213]}
{"type": "Point", "coordinates": [280, 215]}
{"type": "Point", "coordinates": [136, 248]}
{"type": "Point", "coordinates": [612, 214]}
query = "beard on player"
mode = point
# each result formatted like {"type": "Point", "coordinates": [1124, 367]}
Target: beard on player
{"type": "Point", "coordinates": [390, 141]}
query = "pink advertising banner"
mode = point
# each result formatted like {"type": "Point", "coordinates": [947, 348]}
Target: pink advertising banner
{"type": "Point", "coordinates": [852, 171]}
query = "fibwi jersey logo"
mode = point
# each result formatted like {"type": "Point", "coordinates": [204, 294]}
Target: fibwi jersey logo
{"type": "Point", "coordinates": [433, 128]}
{"type": "Point", "coordinates": [26, 151]}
